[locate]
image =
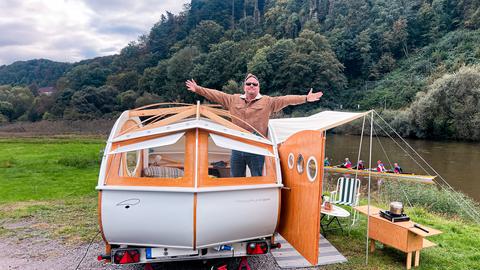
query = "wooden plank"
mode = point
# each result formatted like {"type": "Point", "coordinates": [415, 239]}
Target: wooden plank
{"type": "Point", "coordinates": [388, 233]}
{"type": "Point", "coordinates": [234, 118]}
{"type": "Point", "coordinates": [431, 231]}
{"type": "Point", "coordinates": [409, 225]}
{"type": "Point", "coordinates": [372, 245]}
{"type": "Point", "coordinates": [150, 112]}
{"type": "Point", "coordinates": [427, 243]}
{"type": "Point", "coordinates": [417, 258]}
{"type": "Point", "coordinates": [222, 121]}
{"type": "Point", "coordinates": [170, 120]}
{"type": "Point", "coordinates": [364, 209]}
{"type": "Point", "coordinates": [414, 242]}
{"type": "Point", "coordinates": [128, 126]}
{"type": "Point", "coordinates": [300, 215]}
{"type": "Point", "coordinates": [409, 260]}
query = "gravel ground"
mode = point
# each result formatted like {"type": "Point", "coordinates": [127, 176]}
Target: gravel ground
{"type": "Point", "coordinates": [39, 253]}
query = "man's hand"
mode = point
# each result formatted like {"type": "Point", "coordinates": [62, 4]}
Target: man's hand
{"type": "Point", "coordinates": [191, 85]}
{"type": "Point", "coordinates": [311, 97]}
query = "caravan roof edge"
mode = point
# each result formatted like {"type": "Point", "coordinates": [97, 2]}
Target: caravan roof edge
{"type": "Point", "coordinates": [189, 124]}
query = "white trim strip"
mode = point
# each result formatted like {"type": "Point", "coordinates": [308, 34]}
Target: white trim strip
{"type": "Point", "coordinates": [179, 189]}
{"type": "Point", "coordinates": [240, 146]}
{"type": "Point", "coordinates": [162, 141]}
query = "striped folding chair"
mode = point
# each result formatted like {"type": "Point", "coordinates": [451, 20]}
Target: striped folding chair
{"type": "Point", "coordinates": [347, 193]}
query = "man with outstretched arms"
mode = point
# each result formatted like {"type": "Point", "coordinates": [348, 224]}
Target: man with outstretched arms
{"type": "Point", "coordinates": [253, 108]}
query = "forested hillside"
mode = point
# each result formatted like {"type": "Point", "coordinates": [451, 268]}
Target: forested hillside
{"type": "Point", "coordinates": [363, 53]}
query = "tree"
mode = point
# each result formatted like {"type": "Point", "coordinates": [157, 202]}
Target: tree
{"type": "Point", "coordinates": [126, 100]}
{"type": "Point", "coordinates": [401, 35]}
{"type": "Point", "coordinates": [146, 99]}
{"type": "Point", "coordinates": [40, 72]}
{"type": "Point", "coordinates": [6, 110]}
{"type": "Point", "coordinates": [123, 81]}
{"type": "Point", "coordinates": [164, 34]}
{"type": "Point", "coordinates": [206, 33]}
{"type": "Point", "coordinates": [16, 101]}
{"type": "Point", "coordinates": [154, 79]}
{"type": "Point", "coordinates": [451, 107]}
{"type": "Point", "coordinates": [87, 75]}
{"type": "Point", "coordinates": [225, 61]}
{"type": "Point", "coordinates": [41, 105]}
{"type": "Point", "coordinates": [92, 102]}
{"type": "Point", "coordinates": [61, 102]}
{"type": "Point", "coordinates": [232, 87]}
{"type": "Point", "coordinates": [294, 66]}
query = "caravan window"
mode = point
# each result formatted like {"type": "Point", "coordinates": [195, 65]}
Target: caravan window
{"type": "Point", "coordinates": [291, 160]}
{"type": "Point", "coordinates": [300, 164]}
{"type": "Point", "coordinates": [227, 157]}
{"type": "Point", "coordinates": [166, 161]}
{"type": "Point", "coordinates": [312, 168]}
{"type": "Point", "coordinates": [132, 162]}
{"type": "Point", "coordinates": [162, 157]}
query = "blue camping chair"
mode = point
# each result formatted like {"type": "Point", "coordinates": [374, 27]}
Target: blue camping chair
{"type": "Point", "coordinates": [347, 193]}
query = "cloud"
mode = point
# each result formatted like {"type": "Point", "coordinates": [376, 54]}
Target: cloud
{"type": "Point", "coordinates": [72, 30]}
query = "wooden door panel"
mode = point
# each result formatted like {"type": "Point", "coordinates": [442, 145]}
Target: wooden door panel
{"type": "Point", "coordinates": [301, 200]}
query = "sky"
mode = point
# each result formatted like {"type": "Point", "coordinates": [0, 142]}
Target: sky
{"type": "Point", "coordinates": [73, 30]}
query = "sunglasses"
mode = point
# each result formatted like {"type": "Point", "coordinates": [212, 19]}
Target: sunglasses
{"type": "Point", "coordinates": [251, 83]}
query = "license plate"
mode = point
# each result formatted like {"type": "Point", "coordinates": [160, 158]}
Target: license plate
{"type": "Point", "coordinates": [152, 253]}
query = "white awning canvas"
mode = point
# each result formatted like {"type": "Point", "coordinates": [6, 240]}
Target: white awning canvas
{"type": "Point", "coordinates": [162, 141]}
{"type": "Point", "coordinates": [239, 146]}
{"type": "Point", "coordinates": [286, 127]}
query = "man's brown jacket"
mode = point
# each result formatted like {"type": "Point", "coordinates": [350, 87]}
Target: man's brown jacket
{"type": "Point", "coordinates": [256, 112]}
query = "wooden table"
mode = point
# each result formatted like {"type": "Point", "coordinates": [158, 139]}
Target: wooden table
{"type": "Point", "coordinates": [400, 235]}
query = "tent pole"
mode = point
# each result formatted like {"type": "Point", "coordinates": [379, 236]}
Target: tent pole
{"type": "Point", "coordinates": [369, 185]}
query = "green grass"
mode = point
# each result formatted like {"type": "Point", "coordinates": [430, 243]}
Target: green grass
{"type": "Point", "coordinates": [46, 169]}
{"type": "Point", "coordinates": [47, 188]}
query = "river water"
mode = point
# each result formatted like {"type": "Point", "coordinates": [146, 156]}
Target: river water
{"type": "Point", "coordinates": [457, 162]}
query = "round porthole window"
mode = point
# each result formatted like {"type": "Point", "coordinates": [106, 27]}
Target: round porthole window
{"type": "Point", "coordinates": [291, 160]}
{"type": "Point", "coordinates": [312, 169]}
{"type": "Point", "coordinates": [300, 164]}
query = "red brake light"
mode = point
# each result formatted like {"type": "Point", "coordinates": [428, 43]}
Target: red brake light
{"type": "Point", "coordinates": [254, 248]}
{"type": "Point", "coordinates": [126, 256]}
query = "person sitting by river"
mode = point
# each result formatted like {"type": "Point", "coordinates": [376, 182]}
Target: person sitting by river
{"type": "Point", "coordinates": [397, 168]}
{"type": "Point", "coordinates": [360, 165]}
{"type": "Point", "coordinates": [347, 164]}
{"type": "Point", "coordinates": [326, 162]}
{"type": "Point", "coordinates": [380, 166]}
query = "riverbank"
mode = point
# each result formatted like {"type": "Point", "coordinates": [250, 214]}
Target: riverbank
{"type": "Point", "coordinates": [48, 199]}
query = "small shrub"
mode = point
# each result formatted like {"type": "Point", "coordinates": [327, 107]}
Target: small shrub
{"type": "Point", "coordinates": [7, 163]}
{"type": "Point", "coordinates": [79, 162]}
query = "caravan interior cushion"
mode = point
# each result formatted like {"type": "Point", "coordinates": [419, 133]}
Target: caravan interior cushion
{"type": "Point", "coordinates": [162, 172]}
